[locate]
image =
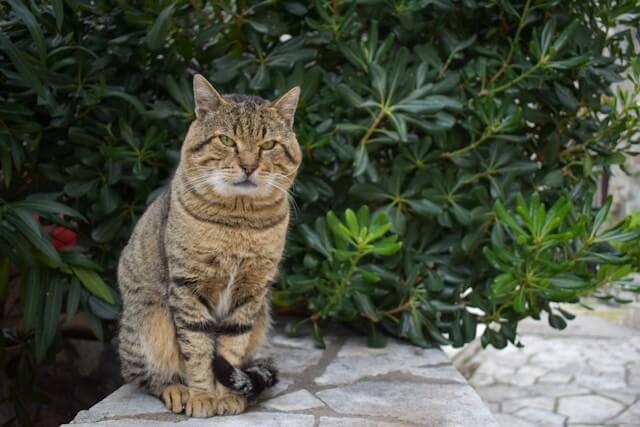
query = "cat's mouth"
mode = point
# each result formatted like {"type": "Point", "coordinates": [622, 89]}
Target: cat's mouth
{"type": "Point", "coordinates": [246, 183]}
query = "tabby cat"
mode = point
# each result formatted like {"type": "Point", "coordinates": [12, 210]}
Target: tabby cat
{"type": "Point", "coordinates": [195, 274]}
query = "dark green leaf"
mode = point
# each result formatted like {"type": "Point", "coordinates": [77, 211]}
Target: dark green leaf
{"type": "Point", "coordinates": [24, 222]}
{"type": "Point", "coordinates": [375, 339]}
{"type": "Point", "coordinates": [34, 291]}
{"type": "Point", "coordinates": [73, 299]}
{"type": "Point", "coordinates": [50, 317]}
{"type": "Point", "coordinates": [366, 306]}
{"type": "Point", "coordinates": [23, 12]}
{"type": "Point", "coordinates": [93, 283]}
{"type": "Point", "coordinates": [318, 341]}
{"type": "Point", "coordinates": [58, 12]}
{"type": "Point", "coordinates": [424, 207]}
{"type": "Point", "coordinates": [157, 35]}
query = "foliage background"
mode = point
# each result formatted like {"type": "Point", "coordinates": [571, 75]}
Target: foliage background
{"type": "Point", "coordinates": [425, 110]}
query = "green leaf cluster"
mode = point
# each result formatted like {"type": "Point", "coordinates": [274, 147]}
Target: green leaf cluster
{"type": "Point", "coordinates": [343, 278]}
{"type": "Point", "coordinates": [550, 256]}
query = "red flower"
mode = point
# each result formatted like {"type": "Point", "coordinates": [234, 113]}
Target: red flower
{"type": "Point", "coordinates": [63, 237]}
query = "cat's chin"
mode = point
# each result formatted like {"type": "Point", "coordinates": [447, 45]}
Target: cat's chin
{"type": "Point", "coordinates": [245, 189]}
{"type": "Point", "coordinates": [255, 187]}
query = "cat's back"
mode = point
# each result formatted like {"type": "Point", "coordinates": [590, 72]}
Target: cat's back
{"type": "Point", "coordinates": [143, 259]}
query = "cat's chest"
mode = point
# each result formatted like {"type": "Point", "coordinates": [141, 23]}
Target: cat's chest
{"type": "Point", "coordinates": [215, 254]}
{"type": "Point", "coordinates": [240, 243]}
{"type": "Point", "coordinates": [244, 264]}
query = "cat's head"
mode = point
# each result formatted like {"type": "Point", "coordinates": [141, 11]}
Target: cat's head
{"type": "Point", "coordinates": [241, 145]}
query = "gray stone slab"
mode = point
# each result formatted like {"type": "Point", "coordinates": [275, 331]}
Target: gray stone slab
{"type": "Point", "coordinates": [556, 377]}
{"type": "Point", "coordinates": [629, 416]}
{"type": "Point", "coordinates": [542, 417]}
{"type": "Point", "coordinates": [360, 422]}
{"type": "Point", "coordinates": [601, 382]}
{"type": "Point", "coordinates": [412, 387]}
{"type": "Point", "coordinates": [542, 402]}
{"type": "Point", "coordinates": [437, 373]}
{"type": "Point", "coordinates": [292, 360]}
{"type": "Point", "coordinates": [501, 392]}
{"type": "Point", "coordinates": [587, 326]}
{"type": "Point", "coordinates": [437, 405]}
{"type": "Point", "coordinates": [553, 390]}
{"type": "Point", "coordinates": [296, 401]}
{"type": "Point", "coordinates": [506, 420]}
{"type": "Point", "coordinates": [588, 409]}
{"type": "Point", "coordinates": [355, 361]}
{"type": "Point", "coordinates": [262, 419]}
{"type": "Point", "coordinates": [126, 401]}
{"type": "Point", "coordinates": [282, 386]}
{"type": "Point", "coordinates": [625, 397]}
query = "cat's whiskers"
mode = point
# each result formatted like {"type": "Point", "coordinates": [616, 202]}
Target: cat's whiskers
{"type": "Point", "coordinates": [287, 194]}
{"type": "Point", "coordinates": [193, 183]}
{"type": "Point", "coordinates": [285, 178]}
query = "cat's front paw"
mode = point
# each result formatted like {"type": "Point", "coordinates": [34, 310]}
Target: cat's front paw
{"type": "Point", "coordinates": [175, 397]}
{"type": "Point", "coordinates": [231, 404]}
{"type": "Point", "coordinates": [201, 405]}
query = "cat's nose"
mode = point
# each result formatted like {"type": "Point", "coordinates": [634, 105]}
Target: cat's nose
{"type": "Point", "coordinates": [248, 168]}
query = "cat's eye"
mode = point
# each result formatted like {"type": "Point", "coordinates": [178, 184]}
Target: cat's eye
{"type": "Point", "coordinates": [229, 142]}
{"type": "Point", "coordinates": [268, 145]}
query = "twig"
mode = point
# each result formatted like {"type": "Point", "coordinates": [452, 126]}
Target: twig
{"type": "Point", "coordinates": [489, 133]}
{"type": "Point", "coordinates": [334, 7]}
{"type": "Point", "coordinates": [517, 79]}
{"type": "Point", "coordinates": [572, 149]}
{"type": "Point", "coordinates": [514, 42]}
{"type": "Point", "coordinates": [198, 9]}
{"type": "Point", "coordinates": [376, 122]}
{"type": "Point", "coordinates": [399, 309]}
{"type": "Point", "coordinates": [445, 66]}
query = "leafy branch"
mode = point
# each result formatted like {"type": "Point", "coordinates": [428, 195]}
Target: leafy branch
{"type": "Point", "coordinates": [551, 256]}
{"type": "Point", "coordinates": [344, 246]}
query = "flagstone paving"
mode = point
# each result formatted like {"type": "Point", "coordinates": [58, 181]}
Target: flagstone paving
{"type": "Point", "coordinates": [586, 375]}
{"type": "Point", "coordinates": [347, 384]}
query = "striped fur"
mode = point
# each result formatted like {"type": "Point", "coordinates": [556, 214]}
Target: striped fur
{"type": "Point", "coordinates": [194, 276]}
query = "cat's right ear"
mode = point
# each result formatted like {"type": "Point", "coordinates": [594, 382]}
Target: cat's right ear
{"type": "Point", "coordinates": [207, 99]}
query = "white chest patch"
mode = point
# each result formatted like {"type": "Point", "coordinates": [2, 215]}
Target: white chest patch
{"type": "Point", "coordinates": [224, 303]}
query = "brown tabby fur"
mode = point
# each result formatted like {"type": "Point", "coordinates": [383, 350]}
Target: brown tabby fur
{"type": "Point", "coordinates": [194, 276]}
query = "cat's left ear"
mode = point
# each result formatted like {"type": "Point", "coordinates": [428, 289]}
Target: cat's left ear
{"type": "Point", "coordinates": [286, 105]}
{"type": "Point", "coordinates": [206, 97]}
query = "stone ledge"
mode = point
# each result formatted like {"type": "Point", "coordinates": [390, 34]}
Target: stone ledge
{"type": "Point", "coordinates": [347, 384]}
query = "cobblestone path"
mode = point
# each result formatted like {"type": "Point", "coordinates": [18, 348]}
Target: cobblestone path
{"type": "Point", "coordinates": [586, 375]}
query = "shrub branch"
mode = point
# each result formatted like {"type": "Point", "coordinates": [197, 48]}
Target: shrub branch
{"type": "Point", "coordinates": [372, 127]}
{"type": "Point", "coordinates": [514, 43]}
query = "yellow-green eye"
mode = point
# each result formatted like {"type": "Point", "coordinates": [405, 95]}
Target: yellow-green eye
{"type": "Point", "coordinates": [227, 141]}
{"type": "Point", "coordinates": [268, 145]}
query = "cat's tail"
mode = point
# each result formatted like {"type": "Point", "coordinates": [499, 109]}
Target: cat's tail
{"type": "Point", "coordinates": [250, 380]}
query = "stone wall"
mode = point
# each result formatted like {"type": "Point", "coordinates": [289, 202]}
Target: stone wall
{"type": "Point", "coordinates": [347, 384]}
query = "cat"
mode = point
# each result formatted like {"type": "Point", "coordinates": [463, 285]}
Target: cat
{"type": "Point", "coordinates": [195, 274]}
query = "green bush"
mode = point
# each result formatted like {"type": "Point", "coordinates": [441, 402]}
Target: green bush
{"type": "Point", "coordinates": [430, 111]}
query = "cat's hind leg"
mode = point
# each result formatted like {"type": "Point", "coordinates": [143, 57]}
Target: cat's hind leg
{"type": "Point", "coordinates": [150, 356]}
